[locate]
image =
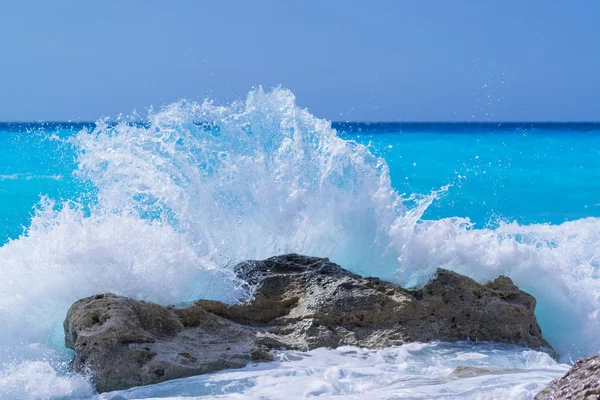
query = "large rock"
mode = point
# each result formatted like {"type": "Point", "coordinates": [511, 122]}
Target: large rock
{"type": "Point", "coordinates": [300, 303]}
{"type": "Point", "coordinates": [582, 382]}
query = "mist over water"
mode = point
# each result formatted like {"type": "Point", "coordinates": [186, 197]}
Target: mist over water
{"type": "Point", "coordinates": [165, 209]}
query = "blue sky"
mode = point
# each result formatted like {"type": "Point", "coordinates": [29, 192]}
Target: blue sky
{"type": "Point", "coordinates": [345, 60]}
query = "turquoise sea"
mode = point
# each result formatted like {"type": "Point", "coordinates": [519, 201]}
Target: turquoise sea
{"type": "Point", "coordinates": [525, 172]}
{"type": "Point", "coordinates": [158, 210]}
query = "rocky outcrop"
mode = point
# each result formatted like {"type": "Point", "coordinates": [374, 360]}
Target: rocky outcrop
{"type": "Point", "coordinates": [300, 303]}
{"type": "Point", "coordinates": [582, 382]}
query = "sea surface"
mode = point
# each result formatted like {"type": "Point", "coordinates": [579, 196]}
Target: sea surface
{"type": "Point", "coordinates": [160, 210]}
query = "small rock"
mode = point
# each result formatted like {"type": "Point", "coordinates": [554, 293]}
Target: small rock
{"type": "Point", "coordinates": [466, 372]}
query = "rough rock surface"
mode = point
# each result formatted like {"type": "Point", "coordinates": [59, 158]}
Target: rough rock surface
{"type": "Point", "coordinates": [582, 382]}
{"type": "Point", "coordinates": [300, 303]}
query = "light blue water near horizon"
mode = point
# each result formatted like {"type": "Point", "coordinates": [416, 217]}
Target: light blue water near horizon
{"type": "Point", "coordinates": [158, 211]}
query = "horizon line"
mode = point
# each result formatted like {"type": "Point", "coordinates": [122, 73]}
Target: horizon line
{"type": "Point", "coordinates": [40, 122]}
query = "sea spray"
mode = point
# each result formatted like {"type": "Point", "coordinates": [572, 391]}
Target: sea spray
{"type": "Point", "coordinates": [179, 199]}
{"type": "Point", "coordinates": [251, 180]}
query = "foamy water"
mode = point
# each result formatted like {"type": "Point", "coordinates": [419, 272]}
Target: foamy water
{"type": "Point", "coordinates": [413, 371]}
{"type": "Point", "coordinates": [179, 200]}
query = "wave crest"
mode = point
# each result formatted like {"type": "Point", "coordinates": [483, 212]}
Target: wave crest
{"type": "Point", "coordinates": [180, 199]}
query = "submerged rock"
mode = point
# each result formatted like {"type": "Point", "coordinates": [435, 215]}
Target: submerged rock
{"type": "Point", "coordinates": [300, 303]}
{"type": "Point", "coordinates": [582, 382]}
{"type": "Point", "coordinates": [463, 371]}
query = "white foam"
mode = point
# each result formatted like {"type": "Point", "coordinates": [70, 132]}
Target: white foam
{"type": "Point", "coordinates": [558, 264]}
{"type": "Point", "coordinates": [40, 380]}
{"type": "Point", "coordinates": [414, 371]}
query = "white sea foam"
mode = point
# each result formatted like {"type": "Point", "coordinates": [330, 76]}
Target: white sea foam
{"type": "Point", "coordinates": [40, 380]}
{"type": "Point", "coordinates": [558, 264]}
{"type": "Point", "coordinates": [181, 199]}
{"type": "Point", "coordinates": [414, 371]}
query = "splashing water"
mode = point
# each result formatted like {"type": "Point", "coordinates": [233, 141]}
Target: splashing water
{"type": "Point", "coordinates": [249, 181]}
{"type": "Point", "coordinates": [178, 200]}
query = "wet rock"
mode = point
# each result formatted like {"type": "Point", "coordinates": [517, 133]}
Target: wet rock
{"type": "Point", "coordinates": [300, 303]}
{"type": "Point", "coordinates": [466, 372]}
{"type": "Point", "coordinates": [125, 343]}
{"type": "Point", "coordinates": [582, 382]}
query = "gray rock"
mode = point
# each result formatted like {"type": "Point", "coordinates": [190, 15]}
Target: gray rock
{"type": "Point", "coordinates": [300, 303]}
{"type": "Point", "coordinates": [463, 371]}
{"type": "Point", "coordinates": [582, 382]}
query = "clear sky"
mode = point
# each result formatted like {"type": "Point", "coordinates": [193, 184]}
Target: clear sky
{"type": "Point", "coordinates": [418, 60]}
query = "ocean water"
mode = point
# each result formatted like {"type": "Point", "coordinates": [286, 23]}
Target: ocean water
{"type": "Point", "coordinates": [161, 210]}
